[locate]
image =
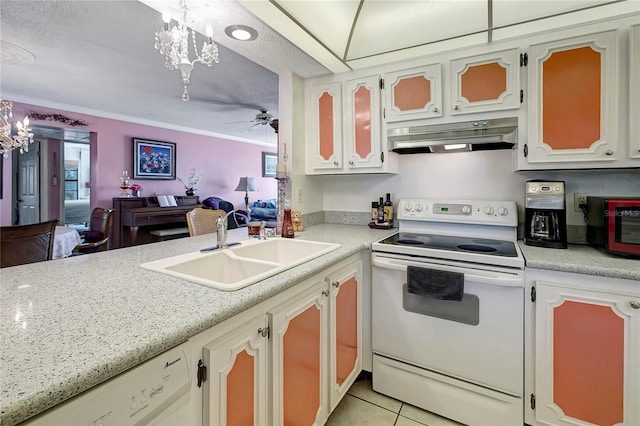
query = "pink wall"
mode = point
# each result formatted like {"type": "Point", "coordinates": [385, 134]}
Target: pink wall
{"type": "Point", "coordinates": [222, 162]}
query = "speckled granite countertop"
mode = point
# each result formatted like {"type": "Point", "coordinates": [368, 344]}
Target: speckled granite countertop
{"type": "Point", "coordinates": [581, 259]}
{"type": "Point", "coordinates": [70, 324]}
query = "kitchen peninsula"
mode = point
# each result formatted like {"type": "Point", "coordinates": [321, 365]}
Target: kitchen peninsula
{"type": "Point", "coordinates": [71, 324]}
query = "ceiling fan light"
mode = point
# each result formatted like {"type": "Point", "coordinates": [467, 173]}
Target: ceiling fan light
{"type": "Point", "coordinates": [241, 32]}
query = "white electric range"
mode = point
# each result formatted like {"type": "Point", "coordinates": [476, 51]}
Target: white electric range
{"type": "Point", "coordinates": [458, 354]}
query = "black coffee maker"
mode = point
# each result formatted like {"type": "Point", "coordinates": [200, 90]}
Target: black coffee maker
{"type": "Point", "coordinates": [545, 214]}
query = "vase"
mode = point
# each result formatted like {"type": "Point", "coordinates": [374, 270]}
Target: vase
{"type": "Point", "coordinates": [190, 192]}
{"type": "Point", "coordinates": [135, 193]}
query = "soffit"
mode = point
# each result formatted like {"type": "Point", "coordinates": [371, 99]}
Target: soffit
{"type": "Point", "coordinates": [355, 34]}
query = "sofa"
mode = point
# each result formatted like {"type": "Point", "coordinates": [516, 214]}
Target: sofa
{"type": "Point", "coordinates": [264, 210]}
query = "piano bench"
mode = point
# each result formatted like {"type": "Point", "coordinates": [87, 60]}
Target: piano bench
{"type": "Point", "coordinates": [161, 234]}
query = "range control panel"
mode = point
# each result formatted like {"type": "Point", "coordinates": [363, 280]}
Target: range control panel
{"type": "Point", "coordinates": [480, 212]}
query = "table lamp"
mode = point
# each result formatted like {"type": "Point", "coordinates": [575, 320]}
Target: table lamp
{"type": "Point", "coordinates": [247, 184]}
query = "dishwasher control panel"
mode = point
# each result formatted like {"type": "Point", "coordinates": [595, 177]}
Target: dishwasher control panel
{"type": "Point", "coordinates": [137, 396]}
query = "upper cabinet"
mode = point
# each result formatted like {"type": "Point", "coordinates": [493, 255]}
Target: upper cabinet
{"type": "Point", "coordinates": [343, 128]}
{"type": "Point", "coordinates": [413, 94]}
{"type": "Point", "coordinates": [573, 90]}
{"type": "Point", "coordinates": [634, 93]}
{"type": "Point", "coordinates": [362, 147]}
{"type": "Point", "coordinates": [324, 126]}
{"type": "Point", "coordinates": [484, 83]}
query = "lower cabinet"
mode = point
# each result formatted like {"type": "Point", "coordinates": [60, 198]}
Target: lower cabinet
{"type": "Point", "coordinates": [317, 347]}
{"type": "Point", "coordinates": [289, 360]}
{"type": "Point", "coordinates": [584, 350]}
{"type": "Point", "coordinates": [300, 359]}
{"type": "Point", "coordinates": [237, 376]}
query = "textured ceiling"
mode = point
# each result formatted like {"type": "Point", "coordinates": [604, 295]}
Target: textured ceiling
{"type": "Point", "coordinates": [97, 56]}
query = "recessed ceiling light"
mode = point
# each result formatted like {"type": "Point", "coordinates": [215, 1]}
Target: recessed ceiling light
{"type": "Point", "coordinates": [241, 32]}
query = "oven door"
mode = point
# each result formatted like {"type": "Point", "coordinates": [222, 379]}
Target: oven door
{"type": "Point", "coordinates": [478, 339]}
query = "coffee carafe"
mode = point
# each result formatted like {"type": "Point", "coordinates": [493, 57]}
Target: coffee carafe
{"type": "Point", "coordinates": [545, 214]}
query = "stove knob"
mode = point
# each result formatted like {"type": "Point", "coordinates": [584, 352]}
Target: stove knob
{"type": "Point", "coordinates": [488, 210]}
{"type": "Point", "coordinates": [407, 206]}
{"type": "Point", "coordinates": [418, 207]}
{"type": "Point", "coordinates": [502, 211]}
{"type": "Point", "coordinates": [466, 209]}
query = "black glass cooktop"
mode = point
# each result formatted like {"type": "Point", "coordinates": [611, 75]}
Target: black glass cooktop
{"type": "Point", "coordinates": [459, 244]}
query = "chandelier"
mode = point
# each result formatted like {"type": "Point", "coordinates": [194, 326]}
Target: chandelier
{"type": "Point", "coordinates": [174, 45]}
{"type": "Point", "coordinates": [23, 136]}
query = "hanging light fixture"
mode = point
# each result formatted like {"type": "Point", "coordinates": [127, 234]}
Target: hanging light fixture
{"type": "Point", "coordinates": [23, 136]}
{"type": "Point", "coordinates": [173, 43]}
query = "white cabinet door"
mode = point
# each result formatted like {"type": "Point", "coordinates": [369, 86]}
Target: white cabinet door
{"type": "Point", "coordinates": [324, 127]}
{"type": "Point", "coordinates": [345, 330]}
{"type": "Point", "coordinates": [489, 82]}
{"type": "Point", "coordinates": [573, 90]}
{"type": "Point", "coordinates": [236, 389]}
{"type": "Point", "coordinates": [413, 94]}
{"type": "Point", "coordinates": [587, 354]}
{"type": "Point", "coordinates": [300, 348]}
{"type": "Point", "coordinates": [634, 93]}
{"type": "Point", "coordinates": [362, 142]}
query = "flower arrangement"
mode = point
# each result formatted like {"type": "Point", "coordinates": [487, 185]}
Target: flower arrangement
{"type": "Point", "coordinates": [135, 187]}
{"type": "Point", "coordinates": [193, 180]}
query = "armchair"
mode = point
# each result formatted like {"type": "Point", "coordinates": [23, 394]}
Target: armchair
{"type": "Point", "coordinates": [97, 238]}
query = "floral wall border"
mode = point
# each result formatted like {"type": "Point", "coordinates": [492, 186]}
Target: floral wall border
{"type": "Point", "coordinates": [57, 117]}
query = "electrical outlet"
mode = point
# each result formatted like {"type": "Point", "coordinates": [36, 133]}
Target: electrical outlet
{"type": "Point", "coordinates": [299, 195]}
{"type": "Point", "coordinates": [577, 200]}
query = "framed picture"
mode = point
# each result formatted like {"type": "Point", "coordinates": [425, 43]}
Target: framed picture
{"type": "Point", "coordinates": [154, 159]}
{"type": "Point", "coordinates": [269, 163]}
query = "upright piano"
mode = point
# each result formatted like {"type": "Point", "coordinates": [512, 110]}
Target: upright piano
{"type": "Point", "coordinates": [135, 212]}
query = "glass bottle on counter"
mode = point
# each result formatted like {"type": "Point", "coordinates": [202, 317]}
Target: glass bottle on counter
{"type": "Point", "coordinates": [388, 210]}
{"type": "Point", "coordinates": [287, 225]}
{"type": "Point", "coordinates": [381, 211]}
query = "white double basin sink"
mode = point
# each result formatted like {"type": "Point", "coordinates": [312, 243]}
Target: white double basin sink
{"type": "Point", "coordinates": [241, 265]}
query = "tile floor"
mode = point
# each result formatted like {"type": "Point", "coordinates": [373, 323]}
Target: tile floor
{"type": "Point", "coordinates": [364, 407]}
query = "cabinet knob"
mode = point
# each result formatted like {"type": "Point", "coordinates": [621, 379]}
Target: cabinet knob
{"type": "Point", "coordinates": [456, 108]}
{"type": "Point", "coordinates": [608, 152]}
{"type": "Point", "coordinates": [336, 284]}
{"type": "Point", "coordinates": [635, 304]}
{"type": "Point", "coordinates": [435, 109]}
{"type": "Point", "coordinates": [325, 292]}
{"type": "Point", "coordinates": [335, 163]}
{"type": "Point", "coordinates": [351, 163]}
{"type": "Point", "coordinates": [263, 331]}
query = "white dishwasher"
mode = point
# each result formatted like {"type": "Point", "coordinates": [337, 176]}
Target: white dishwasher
{"type": "Point", "coordinates": [155, 392]}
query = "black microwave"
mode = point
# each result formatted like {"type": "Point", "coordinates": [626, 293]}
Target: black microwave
{"type": "Point", "coordinates": [613, 224]}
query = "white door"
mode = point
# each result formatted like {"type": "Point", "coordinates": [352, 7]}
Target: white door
{"type": "Point", "coordinates": [28, 200]}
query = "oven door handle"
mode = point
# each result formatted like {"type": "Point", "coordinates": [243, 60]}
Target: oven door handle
{"type": "Point", "coordinates": [499, 280]}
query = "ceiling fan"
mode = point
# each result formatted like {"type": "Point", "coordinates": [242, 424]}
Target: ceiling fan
{"type": "Point", "coordinates": [262, 118]}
